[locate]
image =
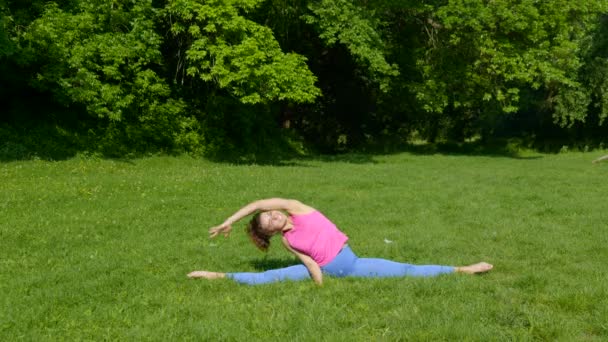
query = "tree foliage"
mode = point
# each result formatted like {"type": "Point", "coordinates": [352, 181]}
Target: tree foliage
{"type": "Point", "coordinates": [238, 54]}
{"type": "Point", "coordinates": [483, 54]}
{"type": "Point", "coordinates": [211, 75]}
{"type": "Point", "coordinates": [6, 46]}
{"type": "Point", "coordinates": [103, 55]}
{"type": "Point", "coordinates": [343, 22]}
{"type": "Point", "coordinates": [100, 56]}
{"type": "Point", "coordinates": [595, 72]}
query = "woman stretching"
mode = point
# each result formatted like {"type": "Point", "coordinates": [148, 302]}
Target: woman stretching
{"type": "Point", "coordinates": [319, 245]}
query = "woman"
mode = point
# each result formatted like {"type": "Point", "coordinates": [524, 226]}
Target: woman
{"type": "Point", "coordinates": [317, 242]}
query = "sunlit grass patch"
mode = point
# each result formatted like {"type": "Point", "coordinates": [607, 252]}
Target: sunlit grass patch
{"type": "Point", "coordinates": [99, 249]}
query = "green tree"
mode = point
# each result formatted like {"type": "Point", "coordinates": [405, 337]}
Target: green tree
{"type": "Point", "coordinates": [6, 46]}
{"type": "Point", "coordinates": [354, 26]}
{"type": "Point", "coordinates": [233, 74]}
{"type": "Point", "coordinates": [238, 54]}
{"type": "Point", "coordinates": [219, 75]}
{"type": "Point", "coordinates": [595, 72]}
{"type": "Point", "coordinates": [103, 55]}
{"type": "Point", "coordinates": [344, 45]}
{"type": "Point", "coordinates": [481, 55]}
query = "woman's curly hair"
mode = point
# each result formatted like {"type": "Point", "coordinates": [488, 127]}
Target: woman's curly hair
{"type": "Point", "coordinates": [254, 230]}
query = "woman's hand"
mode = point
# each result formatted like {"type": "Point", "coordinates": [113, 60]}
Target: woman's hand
{"type": "Point", "coordinates": [222, 228]}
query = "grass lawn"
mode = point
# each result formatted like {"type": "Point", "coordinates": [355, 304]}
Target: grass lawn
{"type": "Point", "coordinates": [99, 249]}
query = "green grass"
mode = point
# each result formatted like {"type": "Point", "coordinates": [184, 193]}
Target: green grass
{"type": "Point", "coordinates": [99, 249]}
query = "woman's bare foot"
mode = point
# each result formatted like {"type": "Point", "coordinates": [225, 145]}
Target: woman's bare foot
{"type": "Point", "coordinates": [206, 275]}
{"type": "Point", "coordinates": [479, 267]}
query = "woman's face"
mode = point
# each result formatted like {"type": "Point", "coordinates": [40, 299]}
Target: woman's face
{"type": "Point", "coordinates": [272, 221]}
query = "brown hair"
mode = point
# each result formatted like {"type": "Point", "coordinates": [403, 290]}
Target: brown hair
{"type": "Point", "coordinates": [259, 238]}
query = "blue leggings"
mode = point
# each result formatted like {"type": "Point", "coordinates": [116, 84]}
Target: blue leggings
{"type": "Point", "coordinates": [345, 264]}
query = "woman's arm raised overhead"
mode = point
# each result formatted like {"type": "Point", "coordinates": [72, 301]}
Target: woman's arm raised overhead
{"type": "Point", "coordinates": [293, 207]}
{"type": "Point", "coordinates": [290, 205]}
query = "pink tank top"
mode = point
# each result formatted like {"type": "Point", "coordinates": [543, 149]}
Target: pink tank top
{"type": "Point", "coordinates": [316, 236]}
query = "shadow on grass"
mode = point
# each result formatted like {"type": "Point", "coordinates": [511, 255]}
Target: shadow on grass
{"type": "Point", "coordinates": [52, 151]}
{"type": "Point", "coordinates": [499, 149]}
{"type": "Point", "coordinates": [15, 151]}
{"type": "Point", "coordinates": [368, 154]}
{"type": "Point", "coordinates": [37, 142]}
{"type": "Point", "coordinates": [265, 264]}
{"type": "Point", "coordinates": [53, 143]}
